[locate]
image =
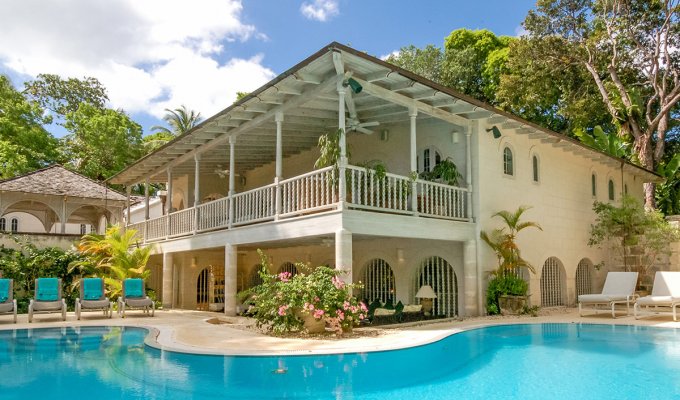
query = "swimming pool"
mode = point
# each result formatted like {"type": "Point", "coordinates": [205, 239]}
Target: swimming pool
{"type": "Point", "coordinates": [538, 361]}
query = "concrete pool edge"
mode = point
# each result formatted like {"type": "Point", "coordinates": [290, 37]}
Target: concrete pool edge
{"type": "Point", "coordinates": [189, 332]}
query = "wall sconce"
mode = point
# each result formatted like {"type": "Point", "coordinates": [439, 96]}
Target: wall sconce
{"type": "Point", "coordinates": [496, 132]}
{"type": "Point", "coordinates": [426, 296]}
{"type": "Point", "coordinates": [353, 84]}
{"type": "Point", "coordinates": [400, 255]}
{"type": "Point", "coordinates": [384, 135]}
{"type": "Point", "coordinates": [455, 136]}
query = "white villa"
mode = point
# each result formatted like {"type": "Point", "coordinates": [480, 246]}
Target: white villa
{"type": "Point", "coordinates": [245, 180]}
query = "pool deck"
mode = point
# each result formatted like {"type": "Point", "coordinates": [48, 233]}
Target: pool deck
{"type": "Point", "coordinates": [190, 331]}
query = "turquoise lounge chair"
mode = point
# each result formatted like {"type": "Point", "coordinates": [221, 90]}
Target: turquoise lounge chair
{"type": "Point", "coordinates": [48, 298]}
{"type": "Point", "coordinates": [8, 304]}
{"type": "Point", "coordinates": [93, 297]}
{"type": "Point", "coordinates": [134, 297]}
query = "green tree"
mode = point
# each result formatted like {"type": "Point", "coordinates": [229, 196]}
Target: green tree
{"type": "Point", "coordinates": [503, 241]}
{"type": "Point", "coordinates": [63, 96]}
{"type": "Point", "coordinates": [631, 51]}
{"type": "Point", "coordinates": [606, 143]}
{"type": "Point", "coordinates": [668, 192]}
{"type": "Point", "coordinates": [102, 141]}
{"type": "Point", "coordinates": [426, 62]}
{"type": "Point", "coordinates": [474, 61]}
{"type": "Point", "coordinates": [638, 236]}
{"type": "Point", "coordinates": [240, 95]}
{"type": "Point", "coordinates": [24, 144]}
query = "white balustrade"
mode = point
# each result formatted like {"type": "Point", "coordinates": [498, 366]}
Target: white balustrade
{"type": "Point", "coordinates": [213, 215]}
{"type": "Point", "coordinates": [370, 190]}
{"type": "Point", "coordinates": [443, 201]}
{"type": "Point", "coordinates": [312, 191]}
{"type": "Point", "coordinates": [182, 222]}
{"type": "Point", "coordinates": [156, 228]}
{"type": "Point", "coordinates": [255, 205]}
{"type": "Point", "coordinates": [140, 228]}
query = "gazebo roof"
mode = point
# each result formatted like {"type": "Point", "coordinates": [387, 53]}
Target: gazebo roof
{"type": "Point", "coordinates": [56, 180]}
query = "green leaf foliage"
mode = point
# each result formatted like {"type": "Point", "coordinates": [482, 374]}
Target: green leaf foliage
{"type": "Point", "coordinates": [502, 285]}
{"type": "Point", "coordinates": [63, 96]}
{"type": "Point", "coordinates": [102, 142]}
{"type": "Point", "coordinates": [604, 142]}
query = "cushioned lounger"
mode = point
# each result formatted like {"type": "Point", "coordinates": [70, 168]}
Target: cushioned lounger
{"type": "Point", "coordinates": [47, 298]}
{"type": "Point", "coordinates": [8, 304]}
{"type": "Point", "coordinates": [93, 297]}
{"type": "Point", "coordinates": [134, 297]}
{"type": "Point", "coordinates": [665, 296]}
{"type": "Point", "coordinates": [619, 288]}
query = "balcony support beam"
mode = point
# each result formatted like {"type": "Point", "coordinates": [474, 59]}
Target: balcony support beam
{"type": "Point", "coordinates": [343, 254]}
{"type": "Point", "coordinates": [279, 163]}
{"type": "Point", "coordinates": [197, 188]}
{"type": "Point", "coordinates": [146, 199]}
{"type": "Point", "coordinates": [413, 114]}
{"type": "Point", "coordinates": [232, 188]}
{"type": "Point", "coordinates": [230, 279]}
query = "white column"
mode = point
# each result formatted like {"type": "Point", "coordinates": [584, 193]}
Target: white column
{"type": "Point", "coordinates": [232, 188]}
{"type": "Point", "coordinates": [197, 180]}
{"type": "Point", "coordinates": [279, 163]}
{"type": "Point", "coordinates": [168, 278]}
{"type": "Point", "coordinates": [197, 189]}
{"type": "Point", "coordinates": [468, 170]}
{"type": "Point", "coordinates": [343, 253]}
{"type": "Point", "coordinates": [230, 276]}
{"type": "Point", "coordinates": [470, 278]}
{"type": "Point", "coordinates": [146, 199]}
{"type": "Point", "coordinates": [342, 187]}
{"type": "Point", "coordinates": [63, 213]}
{"type": "Point", "coordinates": [128, 193]}
{"type": "Point", "coordinates": [168, 201]}
{"type": "Point", "coordinates": [413, 114]}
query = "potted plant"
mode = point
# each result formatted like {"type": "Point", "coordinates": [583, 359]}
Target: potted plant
{"type": "Point", "coordinates": [445, 171]}
{"type": "Point", "coordinates": [506, 287]}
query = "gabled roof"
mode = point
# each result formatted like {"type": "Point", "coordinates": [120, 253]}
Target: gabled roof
{"type": "Point", "coordinates": [306, 97]}
{"type": "Point", "coordinates": [56, 180]}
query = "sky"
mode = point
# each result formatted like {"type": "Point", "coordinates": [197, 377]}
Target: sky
{"type": "Point", "coordinates": [154, 55]}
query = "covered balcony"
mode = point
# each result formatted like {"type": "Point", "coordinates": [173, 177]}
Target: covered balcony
{"type": "Point", "coordinates": [254, 162]}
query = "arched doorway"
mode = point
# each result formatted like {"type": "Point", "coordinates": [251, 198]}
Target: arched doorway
{"type": "Point", "coordinates": [288, 267]}
{"type": "Point", "coordinates": [553, 283]}
{"type": "Point", "coordinates": [584, 277]}
{"type": "Point", "coordinates": [438, 273]}
{"type": "Point", "coordinates": [378, 280]}
{"type": "Point", "coordinates": [203, 290]}
{"type": "Point", "coordinates": [254, 278]}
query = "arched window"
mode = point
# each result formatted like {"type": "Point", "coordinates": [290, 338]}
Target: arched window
{"type": "Point", "coordinates": [83, 229]}
{"type": "Point", "coordinates": [553, 283]}
{"type": "Point", "coordinates": [508, 167]}
{"type": "Point", "coordinates": [593, 185]}
{"type": "Point", "coordinates": [15, 225]}
{"type": "Point", "coordinates": [3, 224]}
{"type": "Point", "coordinates": [431, 157]}
{"type": "Point", "coordinates": [439, 274]}
{"type": "Point", "coordinates": [534, 164]}
{"type": "Point", "coordinates": [288, 267]}
{"type": "Point", "coordinates": [611, 190]}
{"type": "Point", "coordinates": [378, 281]}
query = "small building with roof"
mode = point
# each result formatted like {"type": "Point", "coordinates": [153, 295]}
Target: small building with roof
{"type": "Point", "coordinates": [54, 207]}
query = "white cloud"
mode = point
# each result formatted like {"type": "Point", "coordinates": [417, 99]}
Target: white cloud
{"type": "Point", "coordinates": [521, 31]}
{"type": "Point", "coordinates": [150, 54]}
{"type": "Point", "coordinates": [394, 53]}
{"type": "Point", "coordinates": [320, 10]}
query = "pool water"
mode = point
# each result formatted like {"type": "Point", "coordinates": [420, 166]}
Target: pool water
{"type": "Point", "coordinates": [538, 361]}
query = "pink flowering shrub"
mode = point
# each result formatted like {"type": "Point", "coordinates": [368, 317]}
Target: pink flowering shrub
{"type": "Point", "coordinates": [281, 301]}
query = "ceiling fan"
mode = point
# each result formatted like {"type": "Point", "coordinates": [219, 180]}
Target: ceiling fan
{"type": "Point", "coordinates": [222, 173]}
{"type": "Point", "coordinates": [355, 126]}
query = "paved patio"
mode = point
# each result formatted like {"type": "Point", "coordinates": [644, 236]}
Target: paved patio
{"type": "Point", "coordinates": [190, 331]}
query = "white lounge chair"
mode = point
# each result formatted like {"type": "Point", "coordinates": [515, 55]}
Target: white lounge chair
{"type": "Point", "coordinates": [665, 295]}
{"type": "Point", "coordinates": [93, 297]}
{"type": "Point", "coordinates": [619, 288]}
{"type": "Point", "coordinates": [8, 304]}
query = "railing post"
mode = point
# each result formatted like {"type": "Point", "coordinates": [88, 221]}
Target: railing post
{"type": "Point", "coordinates": [232, 174]}
{"type": "Point", "coordinates": [413, 114]}
{"type": "Point", "coordinates": [277, 198]}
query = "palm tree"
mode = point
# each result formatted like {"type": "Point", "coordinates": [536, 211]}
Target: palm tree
{"type": "Point", "coordinates": [179, 120]}
{"type": "Point", "coordinates": [113, 257]}
{"type": "Point", "coordinates": [502, 240]}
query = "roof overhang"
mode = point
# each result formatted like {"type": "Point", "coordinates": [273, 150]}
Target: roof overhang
{"type": "Point", "coordinates": [307, 99]}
